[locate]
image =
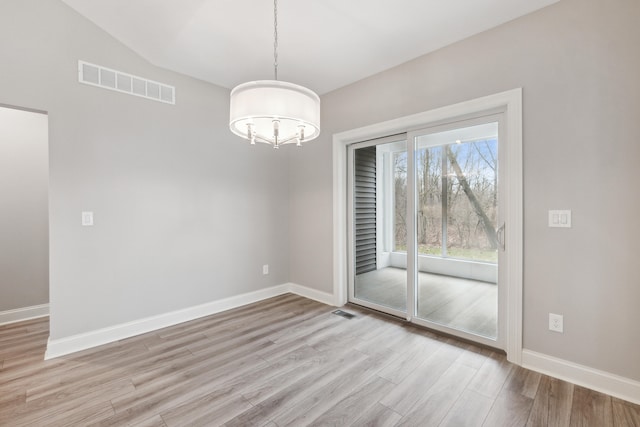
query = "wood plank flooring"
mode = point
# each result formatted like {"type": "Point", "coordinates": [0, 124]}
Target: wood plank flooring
{"type": "Point", "coordinates": [286, 361]}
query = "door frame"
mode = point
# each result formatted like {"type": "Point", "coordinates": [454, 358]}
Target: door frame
{"type": "Point", "coordinates": [509, 103]}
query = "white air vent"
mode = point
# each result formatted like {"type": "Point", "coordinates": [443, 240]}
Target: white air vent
{"type": "Point", "coordinates": [106, 78]}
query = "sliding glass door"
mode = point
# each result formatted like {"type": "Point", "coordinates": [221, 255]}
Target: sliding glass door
{"type": "Point", "coordinates": [378, 188]}
{"type": "Point", "coordinates": [425, 227]}
{"type": "Point", "coordinates": [456, 228]}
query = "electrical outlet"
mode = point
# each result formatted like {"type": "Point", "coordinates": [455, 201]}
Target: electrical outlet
{"type": "Point", "coordinates": [555, 322]}
{"type": "Point", "coordinates": [265, 269]}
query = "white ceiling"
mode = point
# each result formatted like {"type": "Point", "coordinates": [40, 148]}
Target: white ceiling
{"type": "Point", "coordinates": [323, 44]}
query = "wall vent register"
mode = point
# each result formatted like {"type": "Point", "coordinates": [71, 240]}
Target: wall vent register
{"type": "Point", "coordinates": [106, 78]}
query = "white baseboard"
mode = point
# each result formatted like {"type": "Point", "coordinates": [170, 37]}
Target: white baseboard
{"type": "Point", "coordinates": [314, 294]}
{"type": "Point", "coordinates": [584, 376]}
{"type": "Point", "coordinates": [72, 344]}
{"type": "Point", "coordinates": [21, 314]}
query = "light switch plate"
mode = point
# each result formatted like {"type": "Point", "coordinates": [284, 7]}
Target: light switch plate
{"type": "Point", "coordinates": [560, 218]}
{"type": "Point", "coordinates": [87, 218]}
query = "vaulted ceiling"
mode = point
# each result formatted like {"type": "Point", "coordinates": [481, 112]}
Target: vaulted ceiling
{"type": "Point", "coordinates": [323, 44]}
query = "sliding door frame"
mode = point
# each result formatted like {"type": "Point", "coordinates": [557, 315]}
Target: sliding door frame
{"type": "Point", "coordinates": [509, 103]}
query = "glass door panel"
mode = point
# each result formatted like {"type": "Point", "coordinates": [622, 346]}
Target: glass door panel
{"type": "Point", "coordinates": [424, 209]}
{"type": "Point", "coordinates": [379, 225]}
{"type": "Point", "coordinates": [457, 217]}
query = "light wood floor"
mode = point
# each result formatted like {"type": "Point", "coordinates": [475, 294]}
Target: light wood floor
{"type": "Point", "coordinates": [464, 304]}
{"type": "Point", "coordinates": [286, 361]}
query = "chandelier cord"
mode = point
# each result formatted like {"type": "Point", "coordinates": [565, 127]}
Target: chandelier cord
{"type": "Point", "coordinates": [274, 112]}
{"type": "Point", "coordinates": [275, 38]}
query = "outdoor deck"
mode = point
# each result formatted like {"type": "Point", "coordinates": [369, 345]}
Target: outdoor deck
{"type": "Point", "coordinates": [468, 305]}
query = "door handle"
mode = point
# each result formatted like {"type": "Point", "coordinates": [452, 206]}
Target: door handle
{"type": "Point", "coordinates": [500, 236]}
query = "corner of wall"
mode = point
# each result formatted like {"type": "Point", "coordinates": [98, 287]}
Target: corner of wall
{"type": "Point", "coordinates": [22, 314]}
{"type": "Point", "coordinates": [72, 344]}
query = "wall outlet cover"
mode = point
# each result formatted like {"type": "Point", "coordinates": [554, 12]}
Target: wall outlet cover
{"type": "Point", "coordinates": [556, 322]}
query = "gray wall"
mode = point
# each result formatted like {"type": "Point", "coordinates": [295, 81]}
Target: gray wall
{"type": "Point", "coordinates": [24, 215]}
{"type": "Point", "coordinates": [578, 63]}
{"type": "Point", "coordinates": [185, 213]}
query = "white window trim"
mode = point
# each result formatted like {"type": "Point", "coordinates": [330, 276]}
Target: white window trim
{"type": "Point", "coordinates": [511, 102]}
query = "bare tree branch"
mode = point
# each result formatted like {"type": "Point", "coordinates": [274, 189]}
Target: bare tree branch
{"type": "Point", "coordinates": [486, 222]}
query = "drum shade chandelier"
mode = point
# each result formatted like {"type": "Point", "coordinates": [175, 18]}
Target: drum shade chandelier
{"type": "Point", "coordinates": [274, 112]}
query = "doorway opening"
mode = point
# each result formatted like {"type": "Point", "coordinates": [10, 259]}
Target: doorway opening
{"type": "Point", "coordinates": [24, 217]}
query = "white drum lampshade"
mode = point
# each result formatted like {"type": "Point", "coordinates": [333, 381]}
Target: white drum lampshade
{"type": "Point", "coordinates": [274, 112]}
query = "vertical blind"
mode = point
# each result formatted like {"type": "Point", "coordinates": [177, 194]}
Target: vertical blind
{"type": "Point", "coordinates": [365, 209]}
